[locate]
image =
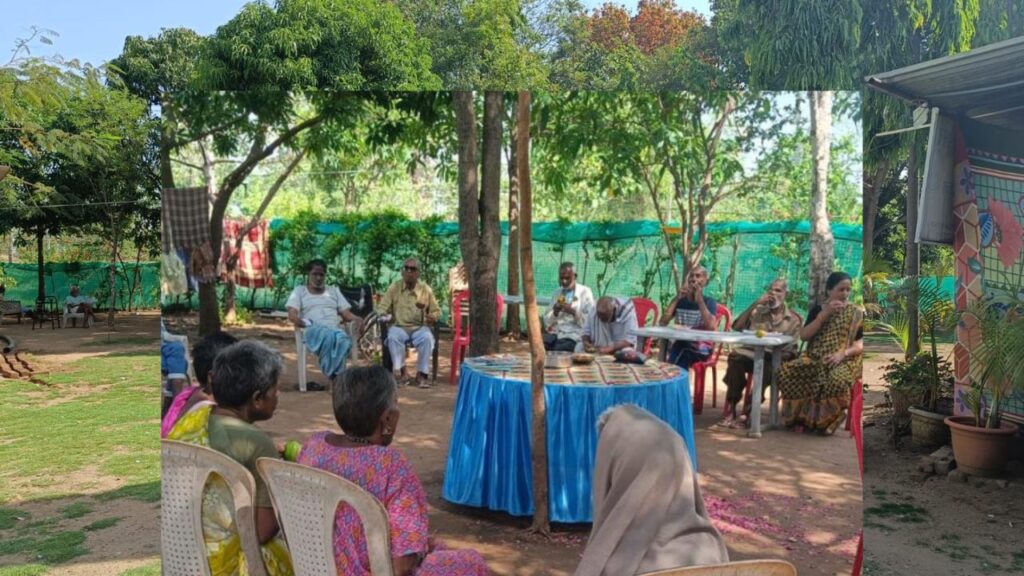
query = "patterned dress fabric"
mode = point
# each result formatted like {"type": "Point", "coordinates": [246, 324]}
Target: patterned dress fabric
{"type": "Point", "coordinates": [813, 394]}
{"type": "Point", "coordinates": [385, 473]}
{"type": "Point", "coordinates": [223, 546]}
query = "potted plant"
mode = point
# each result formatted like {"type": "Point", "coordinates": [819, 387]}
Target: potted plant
{"type": "Point", "coordinates": [982, 441]}
{"type": "Point", "coordinates": [919, 398]}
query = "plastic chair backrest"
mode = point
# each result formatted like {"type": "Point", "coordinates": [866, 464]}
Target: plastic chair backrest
{"type": "Point", "coordinates": [721, 313]}
{"type": "Point", "coordinates": [185, 469]}
{"type": "Point", "coordinates": [459, 299]}
{"type": "Point", "coordinates": [742, 568]}
{"type": "Point", "coordinates": [643, 307]}
{"type": "Point", "coordinates": [306, 499]}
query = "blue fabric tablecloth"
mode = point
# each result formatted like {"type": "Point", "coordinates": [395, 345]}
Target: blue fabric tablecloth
{"type": "Point", "coordinates": [489, 453]}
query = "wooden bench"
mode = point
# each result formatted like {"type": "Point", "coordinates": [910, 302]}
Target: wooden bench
{"type": "Point", "coordinates": [10, 308]}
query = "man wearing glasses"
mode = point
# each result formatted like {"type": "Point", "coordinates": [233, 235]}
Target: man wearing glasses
{"type": "Point", "coordinates": [413, 308]}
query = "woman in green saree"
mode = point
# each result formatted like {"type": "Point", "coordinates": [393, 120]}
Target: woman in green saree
{"type": "Point", "coordinates": [816, 386]}
{"type": "Point", "coordinates": [244, 384]}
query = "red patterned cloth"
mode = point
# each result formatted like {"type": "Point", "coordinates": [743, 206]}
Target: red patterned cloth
{"type": "Point", "coordinates": [386, 473]}
{"type": "Point", "coordinates": [253, 267]}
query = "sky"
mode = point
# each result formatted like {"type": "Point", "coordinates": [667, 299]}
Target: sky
{"type": "Point", "coordinates": [94, 31]}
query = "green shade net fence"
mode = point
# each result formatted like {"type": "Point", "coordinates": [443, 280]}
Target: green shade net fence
{"type": "Point", "coordinates": [138, 285]}
{"type": "Point", "coordinates": [630, 259]}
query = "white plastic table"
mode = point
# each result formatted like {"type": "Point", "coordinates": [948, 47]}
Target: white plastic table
{"type": "Point", "coordinates": [518, 299]}
{"type": "Point", "coordinates": [772, 343]}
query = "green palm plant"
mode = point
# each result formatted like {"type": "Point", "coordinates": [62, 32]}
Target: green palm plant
{"type": "Point", "coordinates": [997, 362]}
{"type": "Point", "coordinates": [936, 314]}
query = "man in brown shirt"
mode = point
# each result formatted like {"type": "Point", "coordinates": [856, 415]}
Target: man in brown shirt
{"type": "Point", "coordinates": [413, 309]}
{"type": "Point", "coordinates": [768, 313]}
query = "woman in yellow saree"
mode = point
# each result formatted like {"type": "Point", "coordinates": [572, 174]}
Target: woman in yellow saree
{"type": "Point", "coordinates": [816, 386]}
{"type": "Point", "coordinates": [244, 383]}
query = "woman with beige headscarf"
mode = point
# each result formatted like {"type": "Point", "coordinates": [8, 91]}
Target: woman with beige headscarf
{"type": "Point", "coordinates": [648, 511]}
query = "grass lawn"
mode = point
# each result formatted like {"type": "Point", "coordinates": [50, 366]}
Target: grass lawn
{"type": "Point", "coordinates": [72, 447]}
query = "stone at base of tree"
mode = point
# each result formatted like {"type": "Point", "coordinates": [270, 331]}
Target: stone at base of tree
{"type": "Point", "coordinates": [957, 475]}
{"type": "Point", "coordinates": [926, 464]}
{"type": "Point", "coordinates": [1002, 483]}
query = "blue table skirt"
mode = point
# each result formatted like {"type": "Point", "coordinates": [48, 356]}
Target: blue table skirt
{"type": "Point", "coordinates": [489, 453]}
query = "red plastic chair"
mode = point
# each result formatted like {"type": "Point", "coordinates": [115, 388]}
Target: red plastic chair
{"type": "Point", "coordinates": [853, 415]}
{"type": "Point", "coordinates": [460, 340]}
{"type": "Point", "coordinates": [700, 368]}
{"type": "Point", "coordinates": [644, 307]}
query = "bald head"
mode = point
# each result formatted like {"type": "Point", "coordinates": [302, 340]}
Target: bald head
{"type": "Point", "coordinates": [606, 308]}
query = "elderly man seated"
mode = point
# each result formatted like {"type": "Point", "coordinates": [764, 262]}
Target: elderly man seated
{"type": "Point", "coordinates": [413, 308]}
{"type": "Point", "coordinates": [608, 329]}
{"type": "Point", "coordinates": [570, 306]}
{"type": "Point", "coordinates": [319, 309]}
{"type": "Point", "coordinates": [770, 314]}
{"type": "Point", "coordinates": [77, 303]}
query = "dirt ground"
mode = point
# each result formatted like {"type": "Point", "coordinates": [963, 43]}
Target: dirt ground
{"type": "Point", "coordinates": [786, 495]}
{"type": "Point", "coordinates": [921, 524]}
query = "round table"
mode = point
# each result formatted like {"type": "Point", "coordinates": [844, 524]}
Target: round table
{"type": "Point", "coordinates": [489, 453]}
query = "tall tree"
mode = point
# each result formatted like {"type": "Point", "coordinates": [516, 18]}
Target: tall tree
{"type": "Point", "coordinates": [513, 218]}
{"type": "Point", "coordinates": [822, 243]}
{"type": "Point", "coordinates": [538, 436]}
{"type": "Point", "coordinates": [673, 149]}
{"type": "Point", "coordinates": [798, 44]}
{"type": "Point", "coordinates": [479, 231]}
{"type": "Point", "coordinates": [267, 81]}
{"type": "Point", "coordinates": [155, 68]}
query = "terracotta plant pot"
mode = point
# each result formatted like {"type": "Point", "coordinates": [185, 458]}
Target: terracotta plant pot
{"type": "Point", "coordinates": [928, 429]}
{"type": "Point", "coordinates": [980, 451]}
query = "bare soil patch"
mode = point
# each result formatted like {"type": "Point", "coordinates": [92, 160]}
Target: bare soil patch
{"type": "Point", "coordinates": [926, 524]}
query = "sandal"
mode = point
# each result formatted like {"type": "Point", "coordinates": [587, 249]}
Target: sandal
{"type": "Point", "coordinates": [315, 387]}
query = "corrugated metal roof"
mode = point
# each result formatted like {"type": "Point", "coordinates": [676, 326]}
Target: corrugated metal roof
{"type": "Point", "coordinates": [985, 84]}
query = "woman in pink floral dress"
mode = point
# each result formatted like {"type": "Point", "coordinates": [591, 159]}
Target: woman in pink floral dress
{"type": "Point", "coordinates": [366, 408]}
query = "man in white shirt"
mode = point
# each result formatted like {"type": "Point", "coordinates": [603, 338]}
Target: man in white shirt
{"type": "Point", "coordinates": [80, 304]}
{"type": "Point", "coordinates": [570, 306]}
{"type": "Point", "coordinates": [319, 309]}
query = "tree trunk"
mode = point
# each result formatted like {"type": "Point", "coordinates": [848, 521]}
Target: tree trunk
{"type": "Point", "coordinates": [912, 262]}
{"type": "Point", "coordinates": [514, 327]}
{"type": "Point", "coordinates": [538, 437]}
{"type": "Point", "coordinates": [479, 232]}
{"type": "Point", "coordinates": [484, 283]}
{"type": "Point", "coordinates": [209, 309]}
{"type": "Point", "coordinates": [872, 188]}
{"type": "Point", "coordinates": [167, 138]}
{"type": "Point", "coordinates": [115, 248]}
{"type": "Point", "coordinates": [41, 293]}
{"type": "Point", "coordinates": [822, 257]}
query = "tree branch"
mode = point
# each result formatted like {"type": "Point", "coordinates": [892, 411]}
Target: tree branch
{"type": "Point", "coordinates": [233, 258]}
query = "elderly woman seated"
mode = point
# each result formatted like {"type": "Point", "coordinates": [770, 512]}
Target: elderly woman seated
{"type": "Point", "coordinates": [244, 385]}
{"type": "Point", "coordinates": [366, 408]}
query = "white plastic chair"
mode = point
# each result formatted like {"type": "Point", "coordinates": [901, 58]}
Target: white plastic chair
{"type": "Point", "coordinates": [185, 470]}
{"type": "Point", "coordinates": [73, 316]}
{"type": "Point", "coordinates": [306, 499]}
{"type": "Point", "coordinates": [740, 568]}
{"type": "Point", "coordinates": [301, 351]}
